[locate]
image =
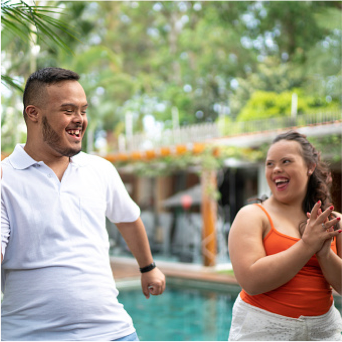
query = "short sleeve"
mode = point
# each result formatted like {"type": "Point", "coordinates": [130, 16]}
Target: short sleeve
{"type": "Point", "coordinates": [120, 206]}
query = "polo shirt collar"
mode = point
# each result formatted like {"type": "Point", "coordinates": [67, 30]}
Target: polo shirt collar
{"type": "Point", "coordinates": [19, 159]}
{"type": "Point", "coordinates": [79, 159]}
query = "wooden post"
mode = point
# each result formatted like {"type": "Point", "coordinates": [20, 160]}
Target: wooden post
{"type": "Point", "coordinates": [209, 210]}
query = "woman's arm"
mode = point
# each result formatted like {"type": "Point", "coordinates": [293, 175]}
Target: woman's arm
{"type": "Point", "coordinates": [258, 273]}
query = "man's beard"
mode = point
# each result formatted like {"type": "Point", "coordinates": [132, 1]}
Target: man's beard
{"type": "Point", "coordinates": [51, 137]}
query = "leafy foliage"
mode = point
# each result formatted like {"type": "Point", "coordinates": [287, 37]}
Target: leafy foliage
{"type": "Point", "coordinates": [228, 60]}
{"type": "Point", "coordinates": [31, 25]}
{"type": "Point", "coordinates": [264, 105]}
{"type": "Point", "coordinates": [329, 146]}
{"type": "Point", "coordinates": [212, 158]}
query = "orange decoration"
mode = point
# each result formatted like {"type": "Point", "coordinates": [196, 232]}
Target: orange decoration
{"type": "Point", "coordinates": [122, 157]}
{"type": "Point", "coordinates": [216, 151]}
{"type": "Point", "coordinates": [181, 149]}
{"type": "Point", "coordinates": [111, 157]}
{"type": "Point", "coordinates": [136, 155]}
{"type": "Point", "coordinates": [150, 154]}
{"type": "Point", "coordinates": [165, 151]}
{"type": "Point", "coordinates": [197, 148]}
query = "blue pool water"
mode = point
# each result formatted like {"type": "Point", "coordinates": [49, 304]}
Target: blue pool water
{"type": "Point", "coordinates": [180, 314]}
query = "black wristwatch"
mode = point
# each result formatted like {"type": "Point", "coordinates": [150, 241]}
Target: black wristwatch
{"type": "Point", "coordinates": [148, 268]}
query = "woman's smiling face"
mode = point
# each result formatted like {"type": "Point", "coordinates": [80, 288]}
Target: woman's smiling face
{"type": "Point", "coordinates": [286, 171]}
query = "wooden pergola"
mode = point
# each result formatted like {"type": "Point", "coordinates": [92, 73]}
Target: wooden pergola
{"type": "Point", "coordinates": [208, 181]}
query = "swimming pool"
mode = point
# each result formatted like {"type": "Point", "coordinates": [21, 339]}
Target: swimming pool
{"type": "Point", "coordinates": [180, 314]}
{"type": "Point", "coordinates": [188, 312]}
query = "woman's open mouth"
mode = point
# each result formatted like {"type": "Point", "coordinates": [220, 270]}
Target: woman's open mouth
{"type": "Point", "coordinates": [281, 183]}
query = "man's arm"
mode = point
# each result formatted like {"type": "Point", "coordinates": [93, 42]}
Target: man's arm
{"type": "Point", "coordinates": [135, 236]}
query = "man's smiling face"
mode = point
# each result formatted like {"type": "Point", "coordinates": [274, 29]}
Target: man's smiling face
{"type": "Point", "coordinates": [64, 120]}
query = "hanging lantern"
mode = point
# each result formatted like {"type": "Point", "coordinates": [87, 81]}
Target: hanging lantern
{"type": "Point", "coordinates": [186, 201]}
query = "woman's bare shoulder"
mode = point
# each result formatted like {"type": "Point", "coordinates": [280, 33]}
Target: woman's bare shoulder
{"type": "Point", "coordinates": [250, 214]}
{"type": "Point", "coordinates": [252, 209]}
{"type": "Point", "coordinates": [246, 234]}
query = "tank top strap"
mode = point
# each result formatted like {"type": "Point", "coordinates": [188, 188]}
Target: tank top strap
{"type": "Point", "coordinates": [267, 214]}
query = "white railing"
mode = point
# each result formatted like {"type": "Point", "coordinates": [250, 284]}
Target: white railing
{"type": "Point", "coordinates": [207, 131]}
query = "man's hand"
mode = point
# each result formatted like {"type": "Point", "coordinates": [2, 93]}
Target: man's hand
{"type": "Point", "coordinates": [153, 283]}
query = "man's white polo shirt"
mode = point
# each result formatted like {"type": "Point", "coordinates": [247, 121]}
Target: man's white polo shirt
{"type": "Point", "coordinates": [56, 275]}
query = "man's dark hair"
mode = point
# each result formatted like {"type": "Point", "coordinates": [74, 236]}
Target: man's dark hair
{"type": "Point", "coordinates": [37, 82]}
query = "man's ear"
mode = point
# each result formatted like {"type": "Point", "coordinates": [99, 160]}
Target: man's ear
{"type": "Point", "coordinates": [32, 113]}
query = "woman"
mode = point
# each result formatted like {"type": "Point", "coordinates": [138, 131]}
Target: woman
{"type": "Point", "coordinates": [286, 252]}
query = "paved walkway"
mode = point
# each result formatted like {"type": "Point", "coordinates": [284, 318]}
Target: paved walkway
{"type": "Point", "coordinates": [124, 268]}
{"type": "Point", "coordinates": [127, 269]}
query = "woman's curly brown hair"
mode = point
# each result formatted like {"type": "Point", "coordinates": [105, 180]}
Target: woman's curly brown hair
{"type": "Point", "coordinates": [319, 184]}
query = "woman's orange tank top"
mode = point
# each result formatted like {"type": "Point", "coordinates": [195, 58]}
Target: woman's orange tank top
{"type": "Point", "coordinates": [306, 294]}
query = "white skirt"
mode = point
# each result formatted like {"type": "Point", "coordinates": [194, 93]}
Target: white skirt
{"type": "Point", "coordinates": [250, 323]}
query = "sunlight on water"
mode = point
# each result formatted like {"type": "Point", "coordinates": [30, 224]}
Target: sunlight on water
{"type": "Point", "coordinates": [180, 314]}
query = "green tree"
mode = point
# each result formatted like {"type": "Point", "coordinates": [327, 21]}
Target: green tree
{"type": "Point", "coordinates": [24, 28]}
{"type": "Point", "coordinates": [205, 58]}
{"type": "Point", "coordinates": [303, 50]}
{"type": "Point", "coordinates": [267, 104]}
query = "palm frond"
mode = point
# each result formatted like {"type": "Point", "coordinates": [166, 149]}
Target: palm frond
{"type": "Point", "coordinates": [20, 18]}
{"type": "Point", "coordinates": [26, 22]}
{"type": "Point", "coordinates": [10, 83]}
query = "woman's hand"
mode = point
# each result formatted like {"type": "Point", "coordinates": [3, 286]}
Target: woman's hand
{"type": "Point", "coordinates": [325, 250]}
{"type": "Point", "coordinates": [318, 229]}
{"type": "Point", "coordinates": [330, 263]}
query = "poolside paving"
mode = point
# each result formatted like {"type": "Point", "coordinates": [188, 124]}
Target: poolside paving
{"type": "Point", "coordinates": [127, 268]}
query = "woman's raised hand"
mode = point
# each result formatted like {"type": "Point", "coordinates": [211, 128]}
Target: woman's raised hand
{"type": "Point", "coordinates": [324, 251]}
{"type": "Point", "coordinates": [318, 228]}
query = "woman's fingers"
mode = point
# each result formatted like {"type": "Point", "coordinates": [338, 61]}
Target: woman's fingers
{"type": "Point", "coordinates": [333, 233]}
{"type": "Point", "coordinates": [314, 211]}
{"type": "Point", "coordinates": [330, 224]}
{"type": "Point", "coordinates": [308, 215]}
{"type": "Point", "coordinates": [322, 218]}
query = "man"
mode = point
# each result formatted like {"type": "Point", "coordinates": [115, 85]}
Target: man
{"type": "Point", "coordinates": [56, 275]}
